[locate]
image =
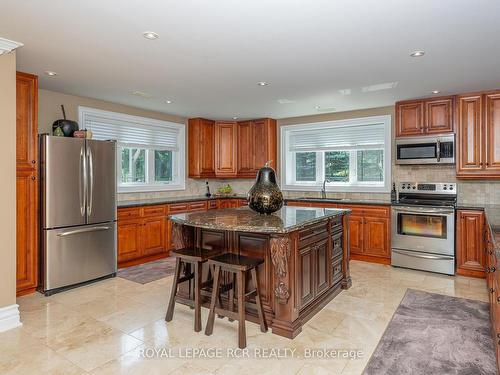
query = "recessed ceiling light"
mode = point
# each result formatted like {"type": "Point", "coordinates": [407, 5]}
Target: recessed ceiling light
{"type": "Point", "coordinates": [380, 86]}
{"type": "Point", "coordinates": [168, 101]}
{"type": "Point", "coordinates": [417, 53]}
{"type": "Point", "coordinates": [50, 73]}
{"type": "Point", "coordinates": [151, 35]}
{"type": "Point", "coordinates": [263, 83]}
{"type": "Point", "coordinates": [235, 118]}
{"type": "Point", "coordinates": [435, 91]}
{"type": "Point", "coordinates": [142, 94]}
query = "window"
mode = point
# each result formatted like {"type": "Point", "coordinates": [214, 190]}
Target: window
{"type": "Point", "coordinates": [351, 155]}
{"type": "Point", "coordinates": [150, 153]}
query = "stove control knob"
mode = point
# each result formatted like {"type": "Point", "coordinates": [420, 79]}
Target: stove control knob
{"type": "Point", "coordinates": [451, 187]}
{"type": "Point", "coordinates": [414, 187]}
{"type": "Point", "coordinates": [445, 187]}
{"type": "Point", "coordinates": [403, 187]}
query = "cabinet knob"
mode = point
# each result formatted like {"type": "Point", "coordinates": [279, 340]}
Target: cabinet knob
{"type": "Point", "coordinates": [493, 269]}
{"type": "Point", "coordinates": [33, 162]}
{"type": "Point", "coordinates": [33, 178]}
{"type": "Point", "coordinates": [492, 290]}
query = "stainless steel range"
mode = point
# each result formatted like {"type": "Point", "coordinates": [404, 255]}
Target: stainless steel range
{"type": "Point", "coordinates": [423, 227]}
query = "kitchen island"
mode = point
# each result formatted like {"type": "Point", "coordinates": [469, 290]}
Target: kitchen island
{"type": "Point", "coordinates": [305, 252]}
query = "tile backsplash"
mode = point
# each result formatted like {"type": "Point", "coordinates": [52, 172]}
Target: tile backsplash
{"type": "Point", "coordinates": [469, 192]}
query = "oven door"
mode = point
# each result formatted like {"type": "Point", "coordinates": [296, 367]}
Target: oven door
{"type": "Point", "coordinates": [424, 229]}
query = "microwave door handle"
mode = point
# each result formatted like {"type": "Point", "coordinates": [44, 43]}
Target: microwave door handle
{"type": "Point", "coordinates": [438, 150]}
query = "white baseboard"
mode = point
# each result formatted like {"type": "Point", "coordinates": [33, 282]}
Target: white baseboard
{"type": "Point", "coordinates": [9, 317]}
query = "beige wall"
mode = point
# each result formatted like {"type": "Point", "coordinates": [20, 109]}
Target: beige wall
{"type": "Point", "coordinates": [49, 109]}
{"type": "Point", "coordinates": [8, 185]}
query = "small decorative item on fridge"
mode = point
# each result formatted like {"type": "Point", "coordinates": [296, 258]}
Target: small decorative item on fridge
{"type": "Point", "coordinates": [80, 134]}
{"type": "Point", "coordinates": [67, 127]}
{"type": "Point", "coordinates": [265, 196]}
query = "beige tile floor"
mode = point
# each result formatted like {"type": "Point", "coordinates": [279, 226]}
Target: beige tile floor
{"type": "Point", "coordinates": [107, 327]}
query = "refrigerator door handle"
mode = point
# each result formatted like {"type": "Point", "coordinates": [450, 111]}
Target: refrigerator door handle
{"type": "Point", "coordinates": [91, 182]}
{"type": "Point", "coordinates": [83, 230]}
{"type": "Point", "coordinates": [83, 167]}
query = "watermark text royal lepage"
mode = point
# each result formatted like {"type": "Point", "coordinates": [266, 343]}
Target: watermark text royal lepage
{"type": "Point", "coordinates": [258, 352]}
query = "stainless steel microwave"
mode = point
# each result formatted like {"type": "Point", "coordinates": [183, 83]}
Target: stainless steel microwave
{"type": "Point", "coordinates": [426, 150]}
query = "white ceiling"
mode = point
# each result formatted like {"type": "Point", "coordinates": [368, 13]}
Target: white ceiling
{"type": "Point", "coordinates": [211, 54]}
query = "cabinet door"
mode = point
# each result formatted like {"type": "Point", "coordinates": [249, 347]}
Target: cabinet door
{"type": "Point", "coordinates": [225, 149]}
{"type": "Point", "coordinates": [246, 142]}
{"type": "Point", "coordinates": [323, 264]}
{"type": "Point", "coordinates": [356, 234]}
{"type": "Point", "coordinates": [27, 230]}
{"type": "Point", "coordinates": [376, 237]}
{"type": "Point", "coordinates": [26, 120]}
{"type": "Point", "coordinates": [439, 115]}
{"type": "Point", "coordinates": [207, 149]}
{"type": "Point", "coordinates": [469, 135]}
{"type": "Point", "coordinates": [409, 118]}
{"type": "Point", "coordinates": [470, 244]}
{"type": "Point", "coordinates": [129, 237]}
{"type": "Point", "coordinates": [492, 133]}
{"type": "Point", "coordinates": [306, 276]}
{"type": "Point", "coordinates": [153, 235]}
{"type": "Point", "coordinates": [262, 140]}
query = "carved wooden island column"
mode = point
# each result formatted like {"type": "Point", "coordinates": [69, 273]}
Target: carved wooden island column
{"type": "Point", "coordinates": [305, 252]}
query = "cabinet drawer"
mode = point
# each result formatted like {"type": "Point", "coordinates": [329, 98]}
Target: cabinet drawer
{"type": "Point", "coordinates": [212, 205]}
{"type": "Point", "coordinates": [129, 213]}
{"type": "Point", "coordinates": [336, 225]}
{"type": "Point", "coordinates": [377, 211]}
{"type": "Point", "coordinates": [178, 207]}
{"type": "Point", "coordinates": [242, 202]}
{"type": "Point", "coordinates": [154, 211]}
{"type": "Point", "coordinates": [298, 204]}
{"type": "Point", "coordinates": [198, 206]}
{"type": "Point", "coordinates": [312, 234]}
{"type": "Point", "coordinates": [337, 245]}
{"type": "Point", "coordinates": [337, 270]}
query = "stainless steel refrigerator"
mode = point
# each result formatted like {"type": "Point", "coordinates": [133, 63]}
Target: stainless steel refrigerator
{"type": "Point", "coordinates": [78, 224]}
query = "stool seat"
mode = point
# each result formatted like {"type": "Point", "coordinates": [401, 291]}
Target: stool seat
{"type": "Point", "coordinates": [235, 261]}
{"type": "Point", "coordinates": [195, 254]}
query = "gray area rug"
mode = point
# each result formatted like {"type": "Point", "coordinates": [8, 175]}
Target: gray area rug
{"type": "Point", "coordinates": [148, 272]}
{"type": "Point", "coordinates": [436, 334]}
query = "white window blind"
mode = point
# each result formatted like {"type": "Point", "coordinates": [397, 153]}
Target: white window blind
{"type": "Point", "coordinates": [350, 137]}
{"type": "Point", "coordinates": [132, 131]}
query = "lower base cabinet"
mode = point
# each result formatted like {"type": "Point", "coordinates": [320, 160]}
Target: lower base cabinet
{"type": "Point", "coordinates": [369, 230]}
{"type": "Point", "coordinates": [470, 254]}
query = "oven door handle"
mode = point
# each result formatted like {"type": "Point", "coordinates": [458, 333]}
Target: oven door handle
{"type": "Point", "coordinates": [422, 210]}
{"type": "Point", "coordinates": [422, 256]}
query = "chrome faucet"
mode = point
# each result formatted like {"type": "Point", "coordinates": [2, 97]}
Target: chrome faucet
{"type": "Point", "coordinates": [323, 190]}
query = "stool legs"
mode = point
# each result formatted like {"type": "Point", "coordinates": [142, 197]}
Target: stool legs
{"type": "Point", "coordinates": [242, 337]}
{"type": "Point", "coordinates": [173, 293]}
{"type": "Point", "coordinates": [231, 294]}
{"type": "Point", "coordinates": [258, 301]}
{"type": "Point", "coordinates": [215, 292]}
{"type": "Point", "coordinates": [197, 297]}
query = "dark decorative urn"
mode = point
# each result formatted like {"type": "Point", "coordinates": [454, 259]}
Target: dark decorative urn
{"type": "Point", "coordinates": [265, 196]}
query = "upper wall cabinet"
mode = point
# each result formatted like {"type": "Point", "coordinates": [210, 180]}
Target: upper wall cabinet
{"type": "Point", "coordinates": [426, 116]}
{"type": "Point", "coordinates": [478, 136]}
{"type": "Point", "coordinates": [256, 146]}
{"type": "Point", "coordinates": [229, 149]}
{"type": "Point", "coordinates": [201, 143]}
{"type": "Point", "coordinates": [225, 149]}
{"type": "Point", "coordinates": [26, 120]}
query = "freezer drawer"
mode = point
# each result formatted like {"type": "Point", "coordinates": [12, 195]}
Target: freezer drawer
{"type": "Point", "coordinates": [78, 254]}
{"type": "Point", "coordinates": [423, 261]}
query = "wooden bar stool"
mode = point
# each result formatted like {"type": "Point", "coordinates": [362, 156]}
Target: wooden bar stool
{"type": "Point", "coordinates": [237, 265]}
{"type": "Point", "coordinates": [195, 257]}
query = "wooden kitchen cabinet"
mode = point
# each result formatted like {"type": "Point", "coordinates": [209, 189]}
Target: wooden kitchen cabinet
{"type": "Point", "coordinates": [306, 271]}
{"type": "Point", "coordinates": [27, 231]}
{"type": "Point", "coordinates": [129, 237]}
{"type": "Point", "coordinates": [376, 236]}
{"type": "Point", "coordinates": [471, 259]}
{"type": "Point", "coordinates": [153, 235]}
{"type": "Point", "coordinates": [425, 117]}
{"type": "Point", "coordinates": [256, 146]}
{"type": "Point", "coordinates": [26, 183]}
{"type": "Point", "coordinates": [478, 136]}
{"type": "Point", "coordinates": [201, 148]}
{"type": "Point", "coordinates": [226, 149]}
{"type": "Point", "coordinates": [356, 234]}
{"type": "Point", "coordinates": [230, 149]}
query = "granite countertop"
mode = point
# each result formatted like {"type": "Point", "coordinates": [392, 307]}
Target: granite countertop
{"type": "Point", "coordinates": [243, 219]}
{"type": "Point", "coordinates": [374, 202]}
{"type": "Point", "coordinates": [167, 200]}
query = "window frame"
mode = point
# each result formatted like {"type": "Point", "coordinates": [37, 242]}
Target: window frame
{"type": "Point", "coordinates": [178, 156]}
{"type": "Point", "coordinates": [288, 160]}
